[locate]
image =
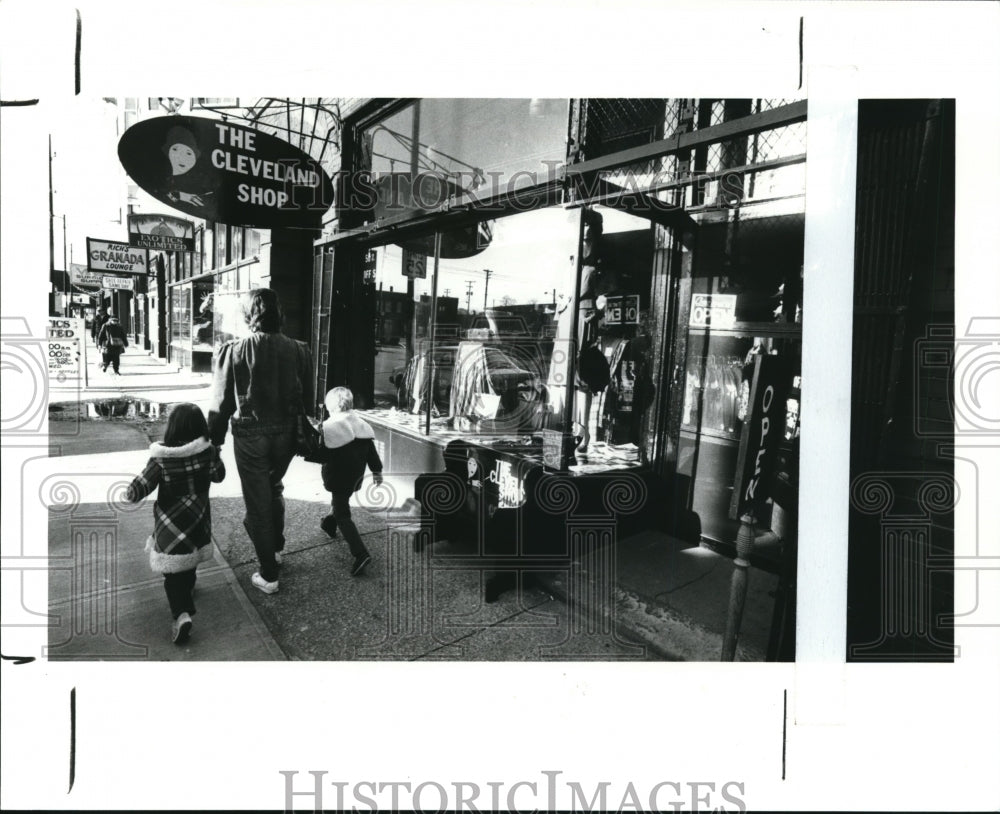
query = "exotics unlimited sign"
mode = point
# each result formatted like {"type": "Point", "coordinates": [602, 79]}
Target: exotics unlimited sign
{"type": "Point", "coordinates": [225, 172]}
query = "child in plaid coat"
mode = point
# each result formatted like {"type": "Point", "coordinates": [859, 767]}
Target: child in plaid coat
{"type": "Point", "coordinates": [182, 468]}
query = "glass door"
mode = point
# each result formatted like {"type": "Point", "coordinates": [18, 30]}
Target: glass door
{"type": "Point", "coordinates": [745, 300]}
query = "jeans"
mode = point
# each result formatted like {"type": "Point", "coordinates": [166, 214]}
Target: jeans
{"type": "Point", "coordinates": [262, 461]}
{"type": "Point", "coordinates": [341, 512]}
{"type": "Point", "coordinates": [180, 588]}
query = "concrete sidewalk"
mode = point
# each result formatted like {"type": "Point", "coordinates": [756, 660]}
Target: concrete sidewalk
{"type": "Point", "coordinates": [106, 603]}
{"type": "Point", "coordinates": [668, 600]}
{"type": "Point", "coordinates": [142, 374]}
{"type": "Point", "coordinates": [407, 606]}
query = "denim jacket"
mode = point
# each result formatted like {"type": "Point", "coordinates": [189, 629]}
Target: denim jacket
{"type": "Point", "coordinates": [262, 383]}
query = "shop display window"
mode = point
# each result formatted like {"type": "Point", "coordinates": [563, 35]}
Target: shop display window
{"type": "Point", "coordinates": [180, 314]}
{"type": "Point", "coordinates": [749, 272]}
{"type": "Point", "coordinates": [237, 237]}
{"type": "Point", "coordinates": [221, 246]}
{"type": "Point", "coordinates": [227, 305]}
{"type": "Point", "coordinates": [203, 319]}
{"type": "Point", "coordinates": [197, 257]}
{"type": "Point", "coordinates": [481, 365]}
{"type": "Point", "coordinates": [208, 249]}
{"type": "Point", "coordinates": [252, 243]}
{"type": "Point", "coordinates": [717, 378]}
{"type": "Point", "coordinates": [500, 360]}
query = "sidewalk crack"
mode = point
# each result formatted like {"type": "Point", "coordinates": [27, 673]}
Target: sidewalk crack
{"type": "Point", "coordinates": [689, 582]}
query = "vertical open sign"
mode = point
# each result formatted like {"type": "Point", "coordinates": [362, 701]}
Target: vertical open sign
{"type": "Point", "coordinates": [763, 430]}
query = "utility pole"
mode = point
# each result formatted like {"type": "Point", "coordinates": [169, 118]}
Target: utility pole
{"type": "Point", "coordinates": [486, 289]}
{"type": "Point", "coordinates": [66, 269]}
{"type": "Point", "coordinates": [52, 228]}
{"type": "Point", "coordinates": [468, 296]}
{"type": "Point", "coordinates": [447, 291]}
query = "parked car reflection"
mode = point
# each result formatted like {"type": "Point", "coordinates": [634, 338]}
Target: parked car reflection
{"type": "Point", "coordinates": [476, 383]}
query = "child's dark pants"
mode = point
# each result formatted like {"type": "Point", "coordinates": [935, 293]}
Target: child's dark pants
{"type": "Point", "coordinates": [341, 512]}
{"type": "Point", "coordinates": [180, 589]}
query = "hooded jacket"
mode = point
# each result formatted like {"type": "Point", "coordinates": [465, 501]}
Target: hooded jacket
{"type": "Point", "coordinates": [182, 516]}
{"type": "Point", "coordinates": [263, 383]}
{"type": "Point", "coordinates": [348, 447]}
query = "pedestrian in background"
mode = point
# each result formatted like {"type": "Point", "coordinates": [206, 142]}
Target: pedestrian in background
{"type": "Point", "coordinates": [112, 340]}
{"type": "Point", "coordinates": [262, 384]}
{"type": "Point", "coordinates": [98, 322]}
{"type": "Point", "coordinates": [181, 468]}
{"type": "Point", "coordinates": [348, 447]}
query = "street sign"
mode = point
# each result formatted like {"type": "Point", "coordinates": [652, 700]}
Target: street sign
{"type": "Point", "coordinates": [414, 264]}
{"type": "Point", "coordinates": [119, 283]}
{"type": "Point", "coordinates": [67, 348]}
{"type": "Point", "coordinates": [111, 255]}
{"type": "Point", "coordinates": [161, 233]}
{"type": "Point", "coordinates": [80, 275]}
{"type": "Point", "coordinates": [713, 310]}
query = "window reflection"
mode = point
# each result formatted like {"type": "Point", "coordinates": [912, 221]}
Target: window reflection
{"type": "Point", "coordinates": [483, 146]}
{"type": "Point", "coordinates": [487, 369]}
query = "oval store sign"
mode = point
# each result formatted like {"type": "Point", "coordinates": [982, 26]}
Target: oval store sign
{"type": "Point", "coordinates": [224, 172]}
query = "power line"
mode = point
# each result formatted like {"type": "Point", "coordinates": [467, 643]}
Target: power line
{"type": "Point", "coordinates": [468, 295]}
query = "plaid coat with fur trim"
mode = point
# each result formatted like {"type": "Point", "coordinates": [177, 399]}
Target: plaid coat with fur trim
{"type": "Point", "coordinates": [182, 516]}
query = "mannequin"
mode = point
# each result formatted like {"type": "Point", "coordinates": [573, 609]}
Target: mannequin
{"type": "Point", "coordinates": [592, 371]}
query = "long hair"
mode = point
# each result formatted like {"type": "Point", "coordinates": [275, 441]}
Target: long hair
{"type": "Point", "coordinates": [186, 424]}
{"type": "Point", "coordinates": [262, 311]}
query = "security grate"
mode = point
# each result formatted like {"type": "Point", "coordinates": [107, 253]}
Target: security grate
{"type": "Point", "coordinates": [755, 166]}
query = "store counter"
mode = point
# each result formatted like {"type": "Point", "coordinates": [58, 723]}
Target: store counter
{"type": "Point", "coordinates": [500, 497]}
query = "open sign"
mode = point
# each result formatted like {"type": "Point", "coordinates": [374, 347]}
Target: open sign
{"type": "Point", "coordinates": [622, 310]}
{"type": "Point", "coordinates": [763, 430]}
{"type": "Point", "coordinates": [713, 310]}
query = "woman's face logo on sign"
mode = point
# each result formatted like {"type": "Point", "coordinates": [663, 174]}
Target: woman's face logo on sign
{"type": "Point", "coordinates": [181, 150]}
{"type": "Point", "coordinates": [181, 157]}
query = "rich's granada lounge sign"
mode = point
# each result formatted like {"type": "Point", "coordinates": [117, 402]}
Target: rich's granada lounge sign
{"type": "Point", "coordinates": [225, 172]}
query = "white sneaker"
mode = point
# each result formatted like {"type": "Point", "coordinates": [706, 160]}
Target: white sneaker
{"type": "Point", "coordinates": [262, 584]}
{"type": "Point", "coordinates": [181, 629]}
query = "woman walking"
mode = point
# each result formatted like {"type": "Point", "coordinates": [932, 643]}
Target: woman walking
{"type": "Point", "coordinates": [112, 340]}
{"type": "Point", "coordinates": [262, 383]}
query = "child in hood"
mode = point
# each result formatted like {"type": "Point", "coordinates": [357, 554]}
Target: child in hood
{"type": "Point", "coordinates": [182, 468]}
{"type": "Point", "coordinates": [348, 446]}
